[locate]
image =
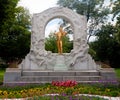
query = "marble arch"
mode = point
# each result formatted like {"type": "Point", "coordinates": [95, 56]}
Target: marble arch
{"type": "Point", "coordinates": [39, 58]}
{"type": "Point", "coordinates": [78, 22]}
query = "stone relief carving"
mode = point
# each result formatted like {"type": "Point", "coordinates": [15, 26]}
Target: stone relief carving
{"type": "Point", "coordinates": [40, 59]}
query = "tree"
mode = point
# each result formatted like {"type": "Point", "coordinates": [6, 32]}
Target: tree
{"type": "Point", "coordinates": [50, 43]}
{"type": "Point", "coordinates": [15, 42]}
{"type": "Point", "coordinates": [116, 8]}
{"type": "Point", "coordinates": [23, 17]}
{"type": "Point", "coordinates": [67, 44]}
{"type": "Point", "coordinates": [117, 35]}
{"type": "Point", "coordinates": [116, 14]}
{"type": "Point", "coordinates": [106, 47]}
{"type": "Point", "coordinates": [7, 14]}
{"type": "Point", "coordinates": [95, 11]}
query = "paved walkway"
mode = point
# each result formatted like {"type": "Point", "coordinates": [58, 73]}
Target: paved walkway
{"type": "Point", "coordinates": [105, 97]}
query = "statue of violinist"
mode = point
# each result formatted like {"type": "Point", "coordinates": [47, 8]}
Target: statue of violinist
{"type": "Point", "coordinates": [59, 36]}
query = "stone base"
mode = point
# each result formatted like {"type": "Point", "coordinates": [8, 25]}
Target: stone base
{"type": "Point", "coordinates": [16, 77]}
{"type": "Point", "coordinates": [60, 64]}
{"type": "Point", "coordinates": [12, 74]}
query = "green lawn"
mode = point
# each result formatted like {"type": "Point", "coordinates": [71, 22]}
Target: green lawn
{"type": "Point", "coordinates": [117, 70]}
{"type": "Point", "coordinates": [1, 74]}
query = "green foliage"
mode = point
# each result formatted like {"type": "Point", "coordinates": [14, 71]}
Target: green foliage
{"type": "Point", "coordinates": [106, 46]}
{"type": "Point", "coordinates": [2, 71]}
{"type": "Point", "coordinates": [116, 8]}
{"type": "Point", "coordinates": [15, 34]}
{"type": "Point", "coordinates": [67, 44]}
{"type": "Point", "coordinates": [3, 66]}
{"type": "Point", "coordinates": [92, 52]}
{"type": "Point", "coordinates": [117, 35]}
{"type": "Point", "coordinates": [17, 41]}
{"type": "Point", "coordinates": [51, 45]}
{"type": "Point", "coordinates": [117, 70]}
{"type": "Point", "coordinates": [7, 16]}
{"type": "Point", "coordinates": [23, 17]}
{"type": "Point", "coordinates": [116, 13]}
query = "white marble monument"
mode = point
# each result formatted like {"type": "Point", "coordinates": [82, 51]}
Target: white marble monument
{"type": "Point", "coordinates": [41, 66]}
{"type": "Point", "coordinates": [40, 59]}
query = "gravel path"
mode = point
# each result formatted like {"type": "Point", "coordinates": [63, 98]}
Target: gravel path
{"type": "Point", "coordinates": [105, 97]}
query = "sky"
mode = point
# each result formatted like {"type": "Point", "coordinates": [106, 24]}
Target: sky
{"type": "Point", "coordinates": [37, 6]}
{"type": "Point", "coordinates": [52, 26]}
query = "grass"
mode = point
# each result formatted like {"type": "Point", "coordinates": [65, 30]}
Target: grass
{"type": "Point", "coordinates": [117, 70]}
{"type": "Point", "coordinates": [2, 71]}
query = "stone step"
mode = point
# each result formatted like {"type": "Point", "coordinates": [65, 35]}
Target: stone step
{"type": "Point", "coordinates": [16, 76]}
{"type": "Point", "coordinates": [59, 78]}
{"type": "Point", "coordinates": [62, 73]}
{"type": "Point", "coordinates": [22, 83]}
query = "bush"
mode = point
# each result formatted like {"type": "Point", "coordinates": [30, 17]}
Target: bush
{"type": "Point", "coordinates": [3, 66]}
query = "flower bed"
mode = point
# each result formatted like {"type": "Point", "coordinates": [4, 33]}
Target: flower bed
{"type": "Point", "coordinates": [69, 88]}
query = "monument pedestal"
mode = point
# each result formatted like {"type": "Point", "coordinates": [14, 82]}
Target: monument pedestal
{"type": "Point", "coordinates": [16, 77]}
{"type": "Point", "coordinates": [60, 64]}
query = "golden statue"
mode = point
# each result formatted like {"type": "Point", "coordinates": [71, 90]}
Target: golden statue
{"type": "Point", "coordinates": [59, 36]}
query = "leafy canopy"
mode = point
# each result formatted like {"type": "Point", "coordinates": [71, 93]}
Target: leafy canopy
{"type": "Point", "coordinates": [14, 30]}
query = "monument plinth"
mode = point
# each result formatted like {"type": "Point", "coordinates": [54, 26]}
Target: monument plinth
{"type": "Point", "coordinates": [60, 64]}
{"type": "Point", "coordinates": [41, 66]}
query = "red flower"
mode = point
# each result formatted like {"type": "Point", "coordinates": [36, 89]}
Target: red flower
{"type": "Point", "coordinates": [68, 83]}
